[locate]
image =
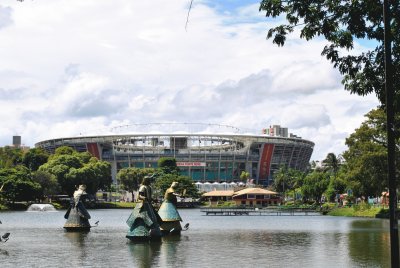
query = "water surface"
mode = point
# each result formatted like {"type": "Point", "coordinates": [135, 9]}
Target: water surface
{"type": "Point", "coordinates": [38, 240]}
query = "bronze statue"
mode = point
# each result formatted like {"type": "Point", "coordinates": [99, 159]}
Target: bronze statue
{"type": "Point", "coordinates": [77, 216]}
{"type": "Point", "coordinates": [144, 220]}
{"type": "Point", "coordinates": [169, 214]}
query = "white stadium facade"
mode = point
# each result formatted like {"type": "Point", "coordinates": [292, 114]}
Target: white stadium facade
{"type": "Point", "coordinates": [204, 156]}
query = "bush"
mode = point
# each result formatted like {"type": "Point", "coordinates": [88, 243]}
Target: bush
{"type": "Point", "coordinates": [362, 206]}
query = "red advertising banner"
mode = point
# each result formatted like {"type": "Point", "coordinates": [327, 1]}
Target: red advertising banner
{"type": "Point", "coordinates": [265, 161]}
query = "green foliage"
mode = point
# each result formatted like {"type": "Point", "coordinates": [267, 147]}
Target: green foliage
{"type": "Point", "coordinates": [244, 176]}
{"type": "Point", "coordinates": [287, 179]}
{"type": "Point", "coordinates": [362, 206]}
{"type": "Point", "coordinates": [131, 178]}
{"type": "Point", "coordinates": [34, 158]}
{"type": "Point", "coordinates": [372, 212]}
{"type": "Point", "coordinates": [48, 182]}
{"type": "Point", "coordinates": [366, 157]}
{"type": "Point", "coordinates": [315, 184]}
{"type": "Point", "coordinates": [164, 181]}
{"type": "Point", "coordinates": [10, 157]}
{"type": "Point", "coordinates": [167, 165]}
{"type": "Point", "coordinates": [72, 168]}
{"type": "Point", "coordinates": [64, 150]}
{"type": "Point", "coordinates": [18, 185]}
{"type": "Point", "coordinates": [337, 185]}
{"type": "Point", "coordinates": [341, 23]}
{"type": "Point", "coordinates": [331, 164]}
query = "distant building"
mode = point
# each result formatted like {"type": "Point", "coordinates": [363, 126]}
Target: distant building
{"type": "Point", "coordinates": [16, 141]}
{"type": "Point", "coordinates": [252, 197]}
{"type": "Point", "coordinates": [212, 157]}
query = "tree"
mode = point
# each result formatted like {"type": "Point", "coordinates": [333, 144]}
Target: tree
{"type": "Point", "coordinates": [341, 23]}
{"type": "Point", "coordinates": [244, 176]}
{"type": "Point", "coordinates": [10, 157]}
{"type": "Point", "coordinates": [287, 179]}
{"type": "Point", "coordinates": [131, 178]}
{"type": "Point", "coordinates": [34, 158]}
{"type": "Point", "coordinates": [315, 184]}
{"type": "Point", "coordinates": [338, 184]}
{"type": "Point", "coordinates": [185, 184]}
{"type": "Point", "coordinates": [72, 168]}
{"type": "Point", "coordinates": [18, 186]}
{"type": "Point", "coordinates": [48, 182]}
{"type": "Point", "coordinates": [366, 156]}
{"type": "Point", "coordinates": [168, 165]}
{"type": "Point", "coordinates": [331, 163]}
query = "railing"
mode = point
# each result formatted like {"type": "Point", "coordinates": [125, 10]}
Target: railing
{"type": "Point", "coordinates": [259, 211]}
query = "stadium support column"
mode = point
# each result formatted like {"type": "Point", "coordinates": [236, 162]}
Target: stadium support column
{"type": "Point", "coordinates": [114, 167]}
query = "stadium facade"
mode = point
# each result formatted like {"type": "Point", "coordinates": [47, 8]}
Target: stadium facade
{"type": "Point", "coordinates": [203, 157]}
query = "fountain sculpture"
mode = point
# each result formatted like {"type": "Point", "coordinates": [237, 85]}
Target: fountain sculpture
{"type": "Point", "coordinates": [144, 220]}
{"type": "Point", "coordinates": [168, 213]}
{"type": "Point", "coordinates": [77, 216]}
{"type": "Point", "coordinates": [41, 208]}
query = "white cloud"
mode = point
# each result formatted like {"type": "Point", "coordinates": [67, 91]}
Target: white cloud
{"type": "Point", "coordinates": [70, 67]}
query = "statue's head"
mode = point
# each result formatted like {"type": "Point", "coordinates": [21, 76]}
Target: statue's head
{"type": "Point", "coordinates": [146, 180]}
{"type": "Point", "coordinates": [82, 187]}
{"type": "Point", "coordinates": [174, 184]}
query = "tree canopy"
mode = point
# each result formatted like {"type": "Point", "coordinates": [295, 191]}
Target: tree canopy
{"type": "Point", "coordinates": [131, 178]}
{"type": "Point", "coordinates": [366, 157]}
{"type": "Point", "coordinates": [72, 168]}
{"type": "Point", "coordinates": [18, 186]}
{"type": "Point", "coordinates": [342, 23]}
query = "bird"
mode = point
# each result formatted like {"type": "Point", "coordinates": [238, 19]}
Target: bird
{"type": "Point", "coordinates": [5, 237]}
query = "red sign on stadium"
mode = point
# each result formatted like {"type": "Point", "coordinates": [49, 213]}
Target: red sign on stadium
{"type": "Point", "coordinates": [191, 164]}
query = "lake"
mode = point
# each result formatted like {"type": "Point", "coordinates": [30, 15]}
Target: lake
{"type": "Point", "coordinates": [38, 240]}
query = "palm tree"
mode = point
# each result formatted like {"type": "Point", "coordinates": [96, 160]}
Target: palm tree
{"type": "Point", "coordinates": [331, 164]}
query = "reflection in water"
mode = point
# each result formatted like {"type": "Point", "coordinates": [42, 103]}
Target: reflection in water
{"type": "Point", "coordinates": [4, 252]}
{"type": "Point", "coordinates": [368, 245]}
{"type": "Point", "coordinates": [171, 251]}
{"type": "Point", "coordinates": [145, 254]}
{"type": "Point", "coordinates": [77, 239]}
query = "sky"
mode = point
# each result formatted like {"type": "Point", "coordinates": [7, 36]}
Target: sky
{"type": "Point", "coordinates": [71, 67]}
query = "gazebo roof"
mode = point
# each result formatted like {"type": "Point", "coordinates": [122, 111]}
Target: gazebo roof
{"type": "Point", "coordinates": [254, 191]}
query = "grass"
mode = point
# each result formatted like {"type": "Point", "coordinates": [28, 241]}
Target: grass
{"type": "Point", "coordinates": [130, 205]}
{"type": "Point", "coordinates": [371, 212]}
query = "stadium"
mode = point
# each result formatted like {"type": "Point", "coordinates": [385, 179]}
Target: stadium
{"type": "Point", "coordinates": [217, 153]}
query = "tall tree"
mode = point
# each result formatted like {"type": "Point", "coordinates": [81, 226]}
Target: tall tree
{"type": "Point", "coordinates": [331, 163]}
{"type": "Point", "coordinates": [314, 185]}
{"type": "Point", "coordinates": [366, 156]}
{"type": "Point", "coordinates": [342, 23]}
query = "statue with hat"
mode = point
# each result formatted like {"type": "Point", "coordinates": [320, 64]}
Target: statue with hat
{"type": "Point", "coordinates": [168, 212]}
{"type": "Point", "coordinates": [77, 216]}
{"type": "Point", "coordinates": [144, 221]}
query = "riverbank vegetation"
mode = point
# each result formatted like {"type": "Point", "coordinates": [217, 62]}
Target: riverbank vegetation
{"type": "Point", "coordinates": [357, 178]}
